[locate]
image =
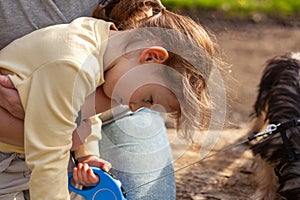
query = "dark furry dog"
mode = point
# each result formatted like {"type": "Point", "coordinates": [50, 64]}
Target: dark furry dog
{"type": "Point", "coordinates": [278, 155]}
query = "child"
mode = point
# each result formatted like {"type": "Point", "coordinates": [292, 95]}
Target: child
{"type": "Point", "coordinates": [82, 69]}
{"type": "Point", "coordinates": [16, 131]}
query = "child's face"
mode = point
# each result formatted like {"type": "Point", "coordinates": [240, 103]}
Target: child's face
{"type": "Point", "coordinates": [155, 97]}
{"type": "Point", "coordinates": [138, 85]}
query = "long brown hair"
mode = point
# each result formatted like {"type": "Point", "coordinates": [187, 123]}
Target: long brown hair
{"type": "Point", "coordinates": [192, 51]}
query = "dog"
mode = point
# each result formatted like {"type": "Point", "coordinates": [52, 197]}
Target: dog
{"type": "Point", "coordinates": [277, 156]}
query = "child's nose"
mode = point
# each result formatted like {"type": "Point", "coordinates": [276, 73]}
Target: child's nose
{"type": "Point", "coordinates": [135, 106]}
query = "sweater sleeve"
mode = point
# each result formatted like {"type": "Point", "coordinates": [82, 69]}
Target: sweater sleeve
{"type": "Point", "coordinates": [91, 145]}
{"type": "Point", "coordinates": [55, 93]}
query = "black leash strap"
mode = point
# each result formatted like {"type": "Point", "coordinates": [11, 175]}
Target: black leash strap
{"type": "Point", "coordinates": [277, 128]}
{"type": "Point", "coordinates": [281, 128]}
{"type": "Point", "coordinates": [291, 155]}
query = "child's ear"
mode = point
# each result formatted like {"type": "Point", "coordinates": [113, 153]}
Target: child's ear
{"type": "Point", "coordinates": [153, 54]}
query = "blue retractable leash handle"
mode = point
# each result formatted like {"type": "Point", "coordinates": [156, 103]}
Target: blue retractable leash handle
{"type": "Point", "coordinates": [108, 188]}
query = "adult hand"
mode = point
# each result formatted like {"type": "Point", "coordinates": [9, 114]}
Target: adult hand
{"type": "Point", "coordinates": [9, 98]}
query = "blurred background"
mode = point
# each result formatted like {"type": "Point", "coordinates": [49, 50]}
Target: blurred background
{"type": "Point", "coordinates": [248, 32]}
{"type": "Point", "coordinates": [240, 8]}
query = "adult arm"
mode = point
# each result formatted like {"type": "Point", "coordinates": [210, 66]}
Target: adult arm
{"type": "Point", "coordinates": [9, 98]}
{"type": "Point", "coordinates": [9, 125]}
{"type": "Point", "coordinates": [12, 113]}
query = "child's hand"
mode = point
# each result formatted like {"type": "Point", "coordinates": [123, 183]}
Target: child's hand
{"type": "Point", "coordinates": [83, 175]}
{"type": "Point", "coordinates": [95, 161]}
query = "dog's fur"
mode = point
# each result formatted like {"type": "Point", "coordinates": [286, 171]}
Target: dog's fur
{"type": "Point", "coordinates": [278, 101]}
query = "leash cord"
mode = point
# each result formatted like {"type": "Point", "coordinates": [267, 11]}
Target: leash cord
{"type": "Point", "coordinates": [189, 165]}
{"type": "Point", "coordinates": [269, 131]}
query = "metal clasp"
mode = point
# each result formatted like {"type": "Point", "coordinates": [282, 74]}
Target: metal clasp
{"type": "Point", "coordinates": [269, 130]}
{"type": "Point", "coordinates": [272, 127]}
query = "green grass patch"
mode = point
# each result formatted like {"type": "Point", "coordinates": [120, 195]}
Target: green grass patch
{"type": "Point", "coordinates": [240, 7]}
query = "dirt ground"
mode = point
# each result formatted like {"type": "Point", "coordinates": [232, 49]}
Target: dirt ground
{"type": "Point", "coordinates": [245, 45]}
